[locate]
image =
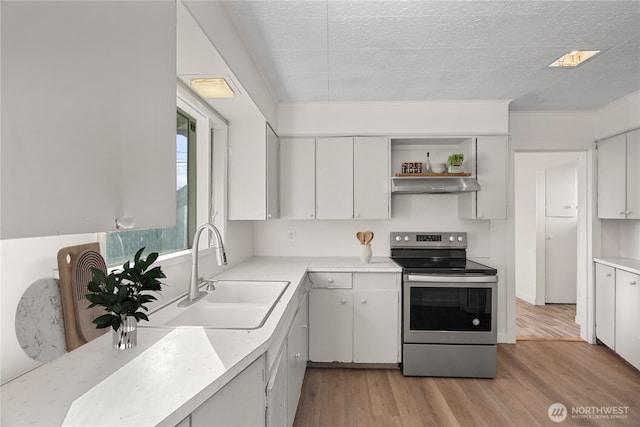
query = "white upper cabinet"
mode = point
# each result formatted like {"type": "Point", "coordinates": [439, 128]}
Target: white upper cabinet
{"type": "Point", "coordinates": [253, 189]}
{"type": "Point", "coordinates": [334, 178]}
{"type": "Point", "coordinates": [352, 178]}
{"type": "Point", "coordinates": [273, 175]}
{"type": "Point", "coordinates": [491, 172]}
{"type": "Point", "coordinates": [88, 116]}
{"type": "Point", "coordinates": [633, 174]}
{"type": "Point", "coordinates": [619, 176]}
{"type": "Point", "coordinates": [298, 178]}
{"type": "Point", "coordinates": [371, 190]}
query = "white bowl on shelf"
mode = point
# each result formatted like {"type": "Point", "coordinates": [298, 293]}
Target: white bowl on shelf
{"type": "Point", "coordinates": [439, 167]}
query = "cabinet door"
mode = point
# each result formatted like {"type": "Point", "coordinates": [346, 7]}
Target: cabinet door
{"type": "Point", "coordinates": [330, 325]}
{"type": "Point", "coordinates": [371, 178]}
{"type": "Point", "coordinates": [491, 167]}
{"type": "Point", "coordinates": [491, 172]}
{"type": "Point", "coordinates": [273, 175]}
{"type": "Point", "coordinates": [612, 177]}
{"type": "Point", "coordinates": [277, 392]}
{"type": "Point", "coordinates": [605, 304]}
{"type": "Point", "coordinates": [298, 344]}
{"type": "Point", "coordinates": [239, 403]}
{"type": "Point", "coordinates": [89, 135]}
{"type": "Point", "coordinates": [375, 326]}
{"type": "Point", "coordinates": [633, 174]}
{"type": "Point", "coordinates": [627, 329]}
{"type": "Point", "coordinates": [334, 178]}
{"type": "Point", "coordinates": [297, 178]}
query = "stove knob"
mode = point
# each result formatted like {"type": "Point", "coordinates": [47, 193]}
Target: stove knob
{"type": "Point", "coordinates": [460, 239]}
{"type": "Point", "coordinates": [398, 238]}
{"type": "Point", "coordinates": [451, 238]}
{"type": "Point", "coordinates": [475, 321]}
{"type": "Point", "coordinates": [406, 238]}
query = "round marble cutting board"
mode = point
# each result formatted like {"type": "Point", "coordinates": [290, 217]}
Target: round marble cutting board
{"type": "Point", "coordinates": [39, 321]}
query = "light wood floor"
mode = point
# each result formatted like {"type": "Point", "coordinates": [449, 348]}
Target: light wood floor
{"type": "Point", "coordinates": [531, 377]}
{"type": "Point", "coordinates": [545, 321]}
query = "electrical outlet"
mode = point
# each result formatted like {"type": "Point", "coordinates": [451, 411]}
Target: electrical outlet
{"type": "Point", "coordinates": [291, 234]}
{"type": "Point", "coordinates": [493, 227]}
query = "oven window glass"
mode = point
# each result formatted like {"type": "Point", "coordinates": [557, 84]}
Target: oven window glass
{"type": "Point", "coordinates": [450, 309]}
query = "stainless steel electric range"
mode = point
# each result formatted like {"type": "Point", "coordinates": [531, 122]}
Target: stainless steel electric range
{"type": "Point", "coordinates": [448, 307]}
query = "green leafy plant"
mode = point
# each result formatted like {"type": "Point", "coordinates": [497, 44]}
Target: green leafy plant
{"type": "Point", "coordinates": [456, 159]}
{"type": "Point", "coordinates": [122, 292]}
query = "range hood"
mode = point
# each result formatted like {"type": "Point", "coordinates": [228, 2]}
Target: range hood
{"type": "Point", "coordinates": [433, 185]}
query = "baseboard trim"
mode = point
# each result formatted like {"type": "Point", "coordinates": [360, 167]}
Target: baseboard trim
{"type": "Point", "coordinates": [353, 365]}
{"type": "Point", "coordinates": [566, 339]}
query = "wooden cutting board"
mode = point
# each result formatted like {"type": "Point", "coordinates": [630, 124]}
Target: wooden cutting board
{"type": "Point", "coordinates": [75, 264]}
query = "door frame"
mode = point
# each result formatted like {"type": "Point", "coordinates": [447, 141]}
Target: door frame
{"type": "Point", "coordinates": [585, 304]}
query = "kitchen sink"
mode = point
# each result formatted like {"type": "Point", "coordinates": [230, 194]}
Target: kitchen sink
{"type": "Point", "coordinates": [234, 304]}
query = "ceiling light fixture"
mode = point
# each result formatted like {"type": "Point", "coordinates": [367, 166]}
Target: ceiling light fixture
{"type": "Point", "coordinates": [210, 88]}
{"type": "Point", "coordinates": [574, 58]}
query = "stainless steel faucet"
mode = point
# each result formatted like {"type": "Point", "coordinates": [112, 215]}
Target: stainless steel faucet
{"type": "Point", "coordinates": [195, 281]}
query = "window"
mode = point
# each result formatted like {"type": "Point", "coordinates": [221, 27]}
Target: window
{"type": "Point", "coordinates": [122, 245]}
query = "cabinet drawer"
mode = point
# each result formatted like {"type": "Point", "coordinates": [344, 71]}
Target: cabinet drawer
{"type": "Point", "coordinates": [330, 280]}
{"type": "Point", "coordinates": [376, 280]}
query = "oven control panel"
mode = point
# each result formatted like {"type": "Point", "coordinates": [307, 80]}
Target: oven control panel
{"type": "Point", "coordinates": [405, 239]}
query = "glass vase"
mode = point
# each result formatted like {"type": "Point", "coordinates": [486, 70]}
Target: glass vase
{"type": "Point", "coordinates": [127, 334]}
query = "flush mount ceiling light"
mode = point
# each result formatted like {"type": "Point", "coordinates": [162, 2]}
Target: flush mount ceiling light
{"type": "Point", "coordinates": [210, 88]}
{"type": "Point", "coordinates": [574, 58]}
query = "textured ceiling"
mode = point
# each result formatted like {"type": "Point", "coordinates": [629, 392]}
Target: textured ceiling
{"type": "Point", "coordinates": [314, 51]}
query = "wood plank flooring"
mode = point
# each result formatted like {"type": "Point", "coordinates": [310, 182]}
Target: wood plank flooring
{"type": "Point", "coordinates": [545, 321]}
{"type": "Point", "coordinates": [531, 377]}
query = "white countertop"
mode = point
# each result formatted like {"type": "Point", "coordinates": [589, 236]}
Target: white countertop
{"type": "Point", "coordinates": [627, 264]}
{"type": "Point", "coordinates": [170, 373]}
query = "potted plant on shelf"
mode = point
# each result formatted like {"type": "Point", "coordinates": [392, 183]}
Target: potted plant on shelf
{"type": "Point", "coordinates": [123, 294]}
{"type": "Point", "coordinates": [455, 160]}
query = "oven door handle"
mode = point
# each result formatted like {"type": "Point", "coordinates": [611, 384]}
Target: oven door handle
{"type": "Point", "coordinates": [450, 279]}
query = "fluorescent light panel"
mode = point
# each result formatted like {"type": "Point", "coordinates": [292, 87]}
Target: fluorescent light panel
{"type": "Point", "coordinates": [574, 58]}
{"type": "Point", "coordinates": [211, 88]}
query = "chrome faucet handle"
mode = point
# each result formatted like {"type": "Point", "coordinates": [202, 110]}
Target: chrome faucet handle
{"type": "Point", "coordinates": [211, 284]}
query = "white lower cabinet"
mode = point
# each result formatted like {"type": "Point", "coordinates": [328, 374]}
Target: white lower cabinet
{"type": "Point", "coordinates": [360, 325]}
{"type": "Point", "coordinates": [239, 403]}
{"type": "Point", "coordinates": [606, 304]}
{"type": "Point", "coordinates": [331, 325]}
{"type": "Point", "coordinates": [627, 329]}
{"type": "Point", "coordinates": [618, 311]}
{"type": "Point", "coordinates": [285, 382]}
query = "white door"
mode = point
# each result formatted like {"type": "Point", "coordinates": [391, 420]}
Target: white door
{"type": "Point", "coordinates": [561, 231]}
{"type": "Point", "coordinates": [297, 178]}
{"type": "Point", "coordinates": [562, 191]}
{"type": "Point", "coordinates": [330, 325]}
{"type": "Point", "coordinates": [371, 178]}
{"type": "Point", "coordinates": [334, 178]}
